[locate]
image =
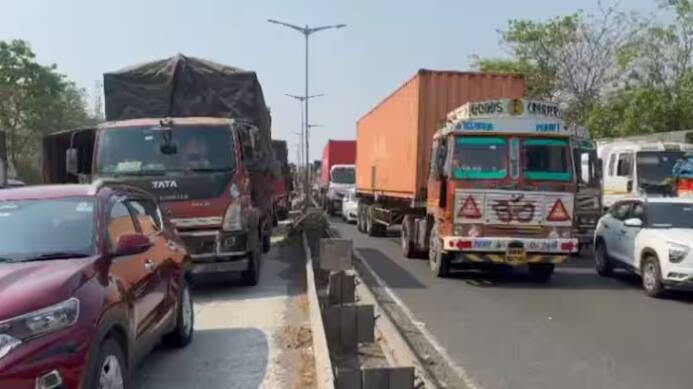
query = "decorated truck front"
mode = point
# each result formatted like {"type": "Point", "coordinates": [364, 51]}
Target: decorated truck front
{"type": "Point", "coordinates": [502, 187]}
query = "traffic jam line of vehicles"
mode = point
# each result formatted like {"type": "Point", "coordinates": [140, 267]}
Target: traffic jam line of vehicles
{"type": "Point", "coordinates": [180, 182]}
{"type": "Point", "coordinates": [507, 182]}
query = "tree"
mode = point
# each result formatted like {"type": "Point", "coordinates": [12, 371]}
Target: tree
{"type": "Point", "coordinates": [34, 101]}
{"type": "Point", "coordinates": [568, 59]}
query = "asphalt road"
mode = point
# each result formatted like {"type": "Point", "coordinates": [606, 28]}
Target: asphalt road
{"type": "Point", "coordinates": [579, 331]}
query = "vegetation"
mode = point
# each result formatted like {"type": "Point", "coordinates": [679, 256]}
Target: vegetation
{"type": "Point", "coordinates": [618, 73]}
{"type": "Point", "coordinates": [35, 100]}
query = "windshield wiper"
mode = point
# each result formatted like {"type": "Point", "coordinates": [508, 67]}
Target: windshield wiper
{"type": "Point", "coordinates": [57, 255]}
{"type": "Point", "coordinates": [209, 169]}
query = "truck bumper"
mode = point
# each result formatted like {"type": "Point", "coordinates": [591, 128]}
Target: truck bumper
{"type": "Point", "coordinates": [216, 251]}
{"type": "Point", "coordinates": [509, 251]}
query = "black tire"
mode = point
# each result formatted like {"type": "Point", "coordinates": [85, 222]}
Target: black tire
{"type": "Point", "coordinates": [367, 215]}
{"type": "Point", "coordinates": [437, 259]}
{"type": "Point", "coordinates": [652, 277]}
{"type": "Point", "coordinates": [361, 219]}
{"type": "Point", "coordinates": [408, 248]}
{"type": "Point", "coordinates": [602, 262]}
{"type": "Point", "coordinates": [182, 335]}
{"type": "Point", "coordinates": [251, 276]}
{"type": "Point", "coordinates": [266, 243]}
{"type": "Point", "coordinates": [541, 272]}
{"type": "Point", "coordinates": [108, 353]}
{"type": "Point", "coordinates": [275, 218]}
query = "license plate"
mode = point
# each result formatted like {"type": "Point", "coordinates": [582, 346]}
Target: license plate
{"type": "Point", "coordinates": [516, 255]}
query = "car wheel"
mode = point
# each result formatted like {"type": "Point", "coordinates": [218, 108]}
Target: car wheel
{"type": "Point", "coordinates": [185, 320]}
{"type": "Point", "coordinates": [602, 262]}
{"type": "Point", "coordinates": [437, 259]}
{"type": "Point", "coordinates": [541, 272]}
{"type": "Point", "coordinates": [408, 248]}
{"type": "Point", "coordinates": [108, 370]}
{"type": "Point", "coordinates": [251, 276]}
{"type": "Point", "coordinates": [652, 277]}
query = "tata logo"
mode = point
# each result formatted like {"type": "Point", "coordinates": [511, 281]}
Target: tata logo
{"type": "Point", "coordinates": [164, 184]}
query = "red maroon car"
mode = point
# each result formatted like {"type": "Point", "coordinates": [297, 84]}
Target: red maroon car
{"type": "Point", "coordinates": [92, 277]}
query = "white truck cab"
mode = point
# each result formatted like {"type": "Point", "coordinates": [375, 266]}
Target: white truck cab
{"type": "Point", "coordinates": [638, 168]}
{"type": "Point", "coordinates": [342, 180]}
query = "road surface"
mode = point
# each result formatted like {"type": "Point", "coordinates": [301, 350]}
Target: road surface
{"type": "Point", "coordinates": [579, 331]}
{"type": "Point", "coordinates": [245, 337]}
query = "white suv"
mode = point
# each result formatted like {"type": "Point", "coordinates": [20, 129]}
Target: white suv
{"type": "Point", "coordinates": [651, 237]}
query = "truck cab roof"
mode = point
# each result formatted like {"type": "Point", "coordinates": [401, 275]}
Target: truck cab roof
{"type": "Point", "coordinates": [187, 121]}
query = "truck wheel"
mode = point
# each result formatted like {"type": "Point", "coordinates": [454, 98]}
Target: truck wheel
{"type": "Point", "coordinates": [541, 272]}
{"type": "Point", "coordinates": [266, 243]}
{"type": "Point", "coordinates": [372, 227]}
{"type": "Point", "coordinates": [437, 259]}
{"type": "Point", "coordinates": [361, 219]}
{"type": "Point", "coordinates": [251, 276]}
{"type": "Point", "coordinates": [408, 248]}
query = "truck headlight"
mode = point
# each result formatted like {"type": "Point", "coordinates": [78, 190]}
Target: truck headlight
{"type": "Point", "coordinates": [21, 328]}
{"type": "Point", "coordinates": [677, 252]}
{"type": "Point", "coordinates": [233, 219]}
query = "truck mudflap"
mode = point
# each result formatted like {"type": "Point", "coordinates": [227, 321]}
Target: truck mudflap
{"type": "Point", "coordinates": [511, 251]}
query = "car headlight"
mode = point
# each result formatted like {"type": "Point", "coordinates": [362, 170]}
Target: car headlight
{"type": "Point", "coordinates": [677, 252]}
{"type": "Point", "coordinates": [31, 325]}
{"type": "Point", "coordinates": [233, 219]}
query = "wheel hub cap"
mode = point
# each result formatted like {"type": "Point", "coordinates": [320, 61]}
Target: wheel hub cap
{"type": "Point", "coordinates": [111, 376]}
{"type": "Point", "coordinates": [649, 276]}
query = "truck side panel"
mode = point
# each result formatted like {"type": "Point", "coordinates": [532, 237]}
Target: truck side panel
{"type": "Point", "coordinates": [394, 139]}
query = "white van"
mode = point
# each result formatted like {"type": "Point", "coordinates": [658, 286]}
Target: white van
{"type": "Point", "coordinates": [638, 168]}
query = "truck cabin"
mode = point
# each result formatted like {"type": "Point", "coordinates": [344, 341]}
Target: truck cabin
{"type": "Point", "coordinates": [640, 168]}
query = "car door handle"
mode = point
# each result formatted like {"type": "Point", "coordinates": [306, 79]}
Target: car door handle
{"type": "Point", "coordinates": [149, 265]}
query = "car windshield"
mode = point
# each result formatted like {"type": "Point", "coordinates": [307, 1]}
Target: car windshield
{"type": "Point", "coordinates": [480, 158]}
{"type": "Point", "coordinates": [546, 159]}
{"type": "Point", "coordinates": [46, 229]}
{"type": "Point", "coordinates": [343, 175]}
{"type": "Point", "coordinates": [655, 167]}
{"type": "Point", "coordinates": [669, 215]}
{"type": "Point", "coordinates": [147, 150]}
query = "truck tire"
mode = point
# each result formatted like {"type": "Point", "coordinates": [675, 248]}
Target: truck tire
{"type": "Point", "coordinates": [361, 219]}
{"type": "Point", "coordinates": [437, 259]}
{"type": "Point", "coordinates": [541, 272]}
{"type": "Point", "coordinates": [408, 247]}
{"type": "Point", "coordinates": [251, 276]}
{"type": "Point", "coordinates": [373, 228]}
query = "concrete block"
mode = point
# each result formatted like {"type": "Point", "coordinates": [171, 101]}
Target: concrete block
{"type": "Point", "coordinates": [401, 377]}
{"type": "Point", "coordinates": [336, 254]}
{"type": "Point", "coordinates": [375, 379]}
{"type": "Point", "coordinates": [331, 317]}
{"type": "Point", "coordinates": [349, 337]}
{"type": "Point", "coordinates": [347, 379]}
{"type": "Point", "coordinates": [365, 322]}
{"type": "Point", "coordinates": [341, 289]}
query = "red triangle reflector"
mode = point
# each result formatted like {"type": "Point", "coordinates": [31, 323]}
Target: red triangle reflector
{"type": "Point", "coordinates": [558, 213]}
{"type": "Point", "coordinates": [469, 209]}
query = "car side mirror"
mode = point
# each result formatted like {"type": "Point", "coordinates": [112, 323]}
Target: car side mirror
{"type": "Point", "coordinates": [131, 244]}
{"type": "Point", "coordinates": [633, 222]}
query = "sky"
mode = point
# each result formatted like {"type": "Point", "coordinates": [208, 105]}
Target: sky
{"type": "Point", "coordinates": [384, 44]}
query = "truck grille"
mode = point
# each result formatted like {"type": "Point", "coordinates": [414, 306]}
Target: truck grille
{"type": "Point", "coordinates": [514, 209]}
{"type": "Point", "coordinates": [200, 244]}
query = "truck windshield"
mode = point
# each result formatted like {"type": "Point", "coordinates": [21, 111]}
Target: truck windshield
{"type": "Point", "coordinates": [140, 150]}
{"type": "Point", "coordinates": [344, 175]}
{"type": "Point", "coordinates": [654, 167]}
{"type": "Point", "coordinates": [546, 159]}
{"type": "Point", "coordinates": [480, 158]}
{"type": "Point", "coordinates": [46, 229]}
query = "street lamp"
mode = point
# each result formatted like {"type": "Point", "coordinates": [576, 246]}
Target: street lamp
{"type": "Point", "coordinates": [301, 99]}
{"type": "Point", "coordinates": [306, 31]}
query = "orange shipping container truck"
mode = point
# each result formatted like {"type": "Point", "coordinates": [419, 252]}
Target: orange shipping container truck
{"type": "Point", "coordinates": [394, 139]}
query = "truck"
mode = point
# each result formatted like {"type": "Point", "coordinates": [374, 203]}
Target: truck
{"type": "Point", "coordinates": [282, 186]}
{"type": "Point", "coordinates": [489, 183]}
{"type": "Point", "coordinates": [589, 197]}
{"type": "Point", "coordinates": [197, 135]}
{"type": "Point", "coordinates": [639, 167]}
{"type": "Point", "coordinates": [337, 173]}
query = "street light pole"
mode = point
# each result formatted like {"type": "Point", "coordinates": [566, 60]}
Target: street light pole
{"type": "Point", "coordinates": [306, 31]}
{"type": "Point", "coordinates": [303, 137]}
